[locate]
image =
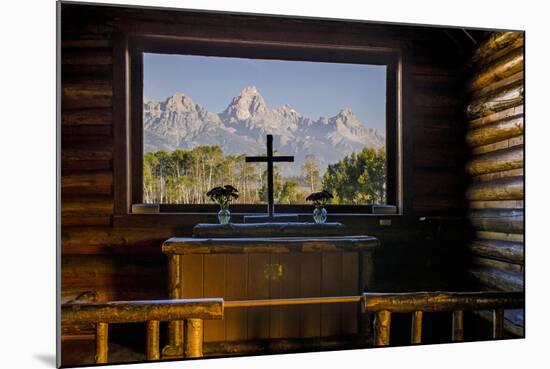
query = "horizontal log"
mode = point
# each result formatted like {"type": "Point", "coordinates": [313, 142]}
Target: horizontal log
{"type": "Point", "coordinates": [97, 94]}
{"type": "Point", "coordinates": [92, 153]}
{"type": "Point", "coordinates": [85, 296]}
{"type": "Point", "coordinates": [302, 31]}
{"type": "Point", "coordinates": [409, 302]}
{"type": "Point", "coordinates": [493, 88]}
{"type": "Point", "coordinates": [83, 207]}
{"type": "Point", "coordinates": [496, 42]}
{"type": "Point", "coordinates": [497, 220]}
{"type": "Point", "coordinates": [86, 73]}
{"type": "Point", "coordinates": [268, 245]}
{"type": "Point", "coordinates": [78, 332]}
{"type": "Point", "coordinates": [498, 175]}
{"type": "Point", "coordinates": [85, 220]}
{"type": "Point", "coordinates": [114, 286]}
{"type": "Point", "coordinates": [107, 240]}
{"type": "Point", "coordinates": [509, 65]}
{"type": "Point", "coordinates": [80, 44]}
{"type": "Point", "coordinates": [505, 99]}
{"type": "Point", "coordinates": [501, 250]}
{"type": "Point", "coordinates": [90, 90]}
{"type": "Point", "coordinates": [86, 56]}
{"type": "Point", "coordinates": [106, 292]}
{"type": "Point", "coordinates": [500, 145]}
{"type": "Point", "coordinates": [100, 143]}
{"type": "Point", "coordinates": [97, 183]}
{"type": "Point", "coordinates": [496, 161]}
{"type": "Point", "coordinates": [514, 112]}
{"type": "Point", "coordinates": [82, 117]}
{"type": "Point", "coordinates": [142, 311]}
{"type": "Point", "coordinates": [518, 44]}
{"type": "Point", "coordinates": [85, 165]}
{"type": "Point", "coordinates": [87, 190]}
{"type": "Point", "coordinates": [499, 280]}
{"type": "Point", "coordinates": [496, 204]}
{"type": "Point", "coordinates": [268, 230]}
{"type": "Point", "coordinates": [401, 229]}
{"type": "Point", "coordinates": [115, 276]}
{"type": "Point", "coordinates": [292, 301]}
{"type": "Point", "coordinates": [500, 236]}
{"type": "Point", "coordinates": [483, 262]}
{"type": "Point", "coordinates": [69, 133]}
{"type": "Point", "coordinates": [510, 188]}
{"type": "Point", "coordinates": [495, 132]}
{"type": "Point", "coordinates": [87, 28]}
{"type": "Point", "coordinates": [138, 266]}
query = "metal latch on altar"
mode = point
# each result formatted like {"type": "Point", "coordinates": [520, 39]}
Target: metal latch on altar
{"type": "Point", "coordinates": [273, 271]}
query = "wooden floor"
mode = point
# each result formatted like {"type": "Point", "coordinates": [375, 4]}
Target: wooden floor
{"type": "Point", "coordinates": [78, 352]}
{"type": "Point", "coordinates": [81, 352]}
{"type": "Point", "coordinates": [128, 345]}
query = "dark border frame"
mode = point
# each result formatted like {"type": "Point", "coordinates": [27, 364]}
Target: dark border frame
{"type": "Point", "coordinates": [130, 43]}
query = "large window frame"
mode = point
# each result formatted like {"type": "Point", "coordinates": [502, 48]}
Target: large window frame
{"type": "Point", "coordinates": [128, 80]}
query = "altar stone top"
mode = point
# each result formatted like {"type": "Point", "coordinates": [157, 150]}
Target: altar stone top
{"type": "Point", "coordinates": [272, 229]}
{"type": "Point", "coordinates": [275, 245]}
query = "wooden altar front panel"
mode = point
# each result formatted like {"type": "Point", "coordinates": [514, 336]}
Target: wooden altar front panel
{"type": "Point", "coordinates": [326, 271]}
{"type": "Point", "coordinates": [242, 277]}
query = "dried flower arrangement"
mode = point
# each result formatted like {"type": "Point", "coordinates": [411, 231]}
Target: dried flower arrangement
{"type": "Point", "coordinates": [223, 196]}
{"type": "Point", "coordinates": [320, 198]}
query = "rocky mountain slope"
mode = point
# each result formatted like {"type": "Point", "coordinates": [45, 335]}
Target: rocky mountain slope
{"type": "Point", "coordinates": [179, 122]}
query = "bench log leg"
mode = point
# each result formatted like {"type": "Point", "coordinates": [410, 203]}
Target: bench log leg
{"type": "Point", "coordinates": [101, 343]}
{"type": "Point", "coordinates": [193, 338]}
{"type": "Point", "coordinates": [175, 328]}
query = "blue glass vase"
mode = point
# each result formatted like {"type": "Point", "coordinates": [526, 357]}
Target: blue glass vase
{"type": "Point", "coordinates": [319, 215]}
{"type": "Point", "coordinates": [224, 216]}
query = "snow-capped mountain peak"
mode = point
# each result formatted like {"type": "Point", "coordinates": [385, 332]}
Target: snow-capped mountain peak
{"type": "Point", "coordinates": [246, 105]}
{"type": "Point", "coordinates": [179, 122]}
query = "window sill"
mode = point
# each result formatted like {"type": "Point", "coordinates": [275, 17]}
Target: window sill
{"type": "Point", "coordinates": [187, 220]}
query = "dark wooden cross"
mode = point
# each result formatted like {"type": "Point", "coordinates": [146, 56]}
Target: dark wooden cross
{"type": "Point", "coordinates": [270, 159]}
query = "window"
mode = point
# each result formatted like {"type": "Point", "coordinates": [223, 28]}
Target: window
{"type": "Point", "coordinates": [198, 110]}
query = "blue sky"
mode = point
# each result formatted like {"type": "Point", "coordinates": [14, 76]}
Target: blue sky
{"type": "Point", "coordinates": [312, 88]}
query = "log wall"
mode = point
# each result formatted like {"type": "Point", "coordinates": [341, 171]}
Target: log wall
{"type": "Point", "coordinates": [103, 261]}
{"type": "Point", "coordinates": [495, 170]}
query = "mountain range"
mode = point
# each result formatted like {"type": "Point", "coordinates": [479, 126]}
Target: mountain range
{"type": "Point", "coordinates": [179, 122]}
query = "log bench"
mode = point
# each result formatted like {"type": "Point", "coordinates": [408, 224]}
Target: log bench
{"type": "Point", "coordinates": [384, 304]}
{"type": "Point", "coordinates": [194, 311]}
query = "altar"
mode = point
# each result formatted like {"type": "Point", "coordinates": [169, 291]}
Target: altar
{"type": "Point", "coordinates": [265, 261]}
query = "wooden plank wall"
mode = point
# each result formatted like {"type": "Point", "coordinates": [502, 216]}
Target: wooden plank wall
{"type": "Point", "coordinates": [125, 262]}
{"type": "Point", "coordinates": [495, 137]}
{"type": "Point", "coordinates": [99, 262]}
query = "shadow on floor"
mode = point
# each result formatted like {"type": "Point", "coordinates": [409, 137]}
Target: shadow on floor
{"type": "Point", "coordinates": [48, 359]}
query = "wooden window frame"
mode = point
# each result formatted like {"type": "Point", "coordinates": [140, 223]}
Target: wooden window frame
{"type": "Point", "coordinates": [129, 46]}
